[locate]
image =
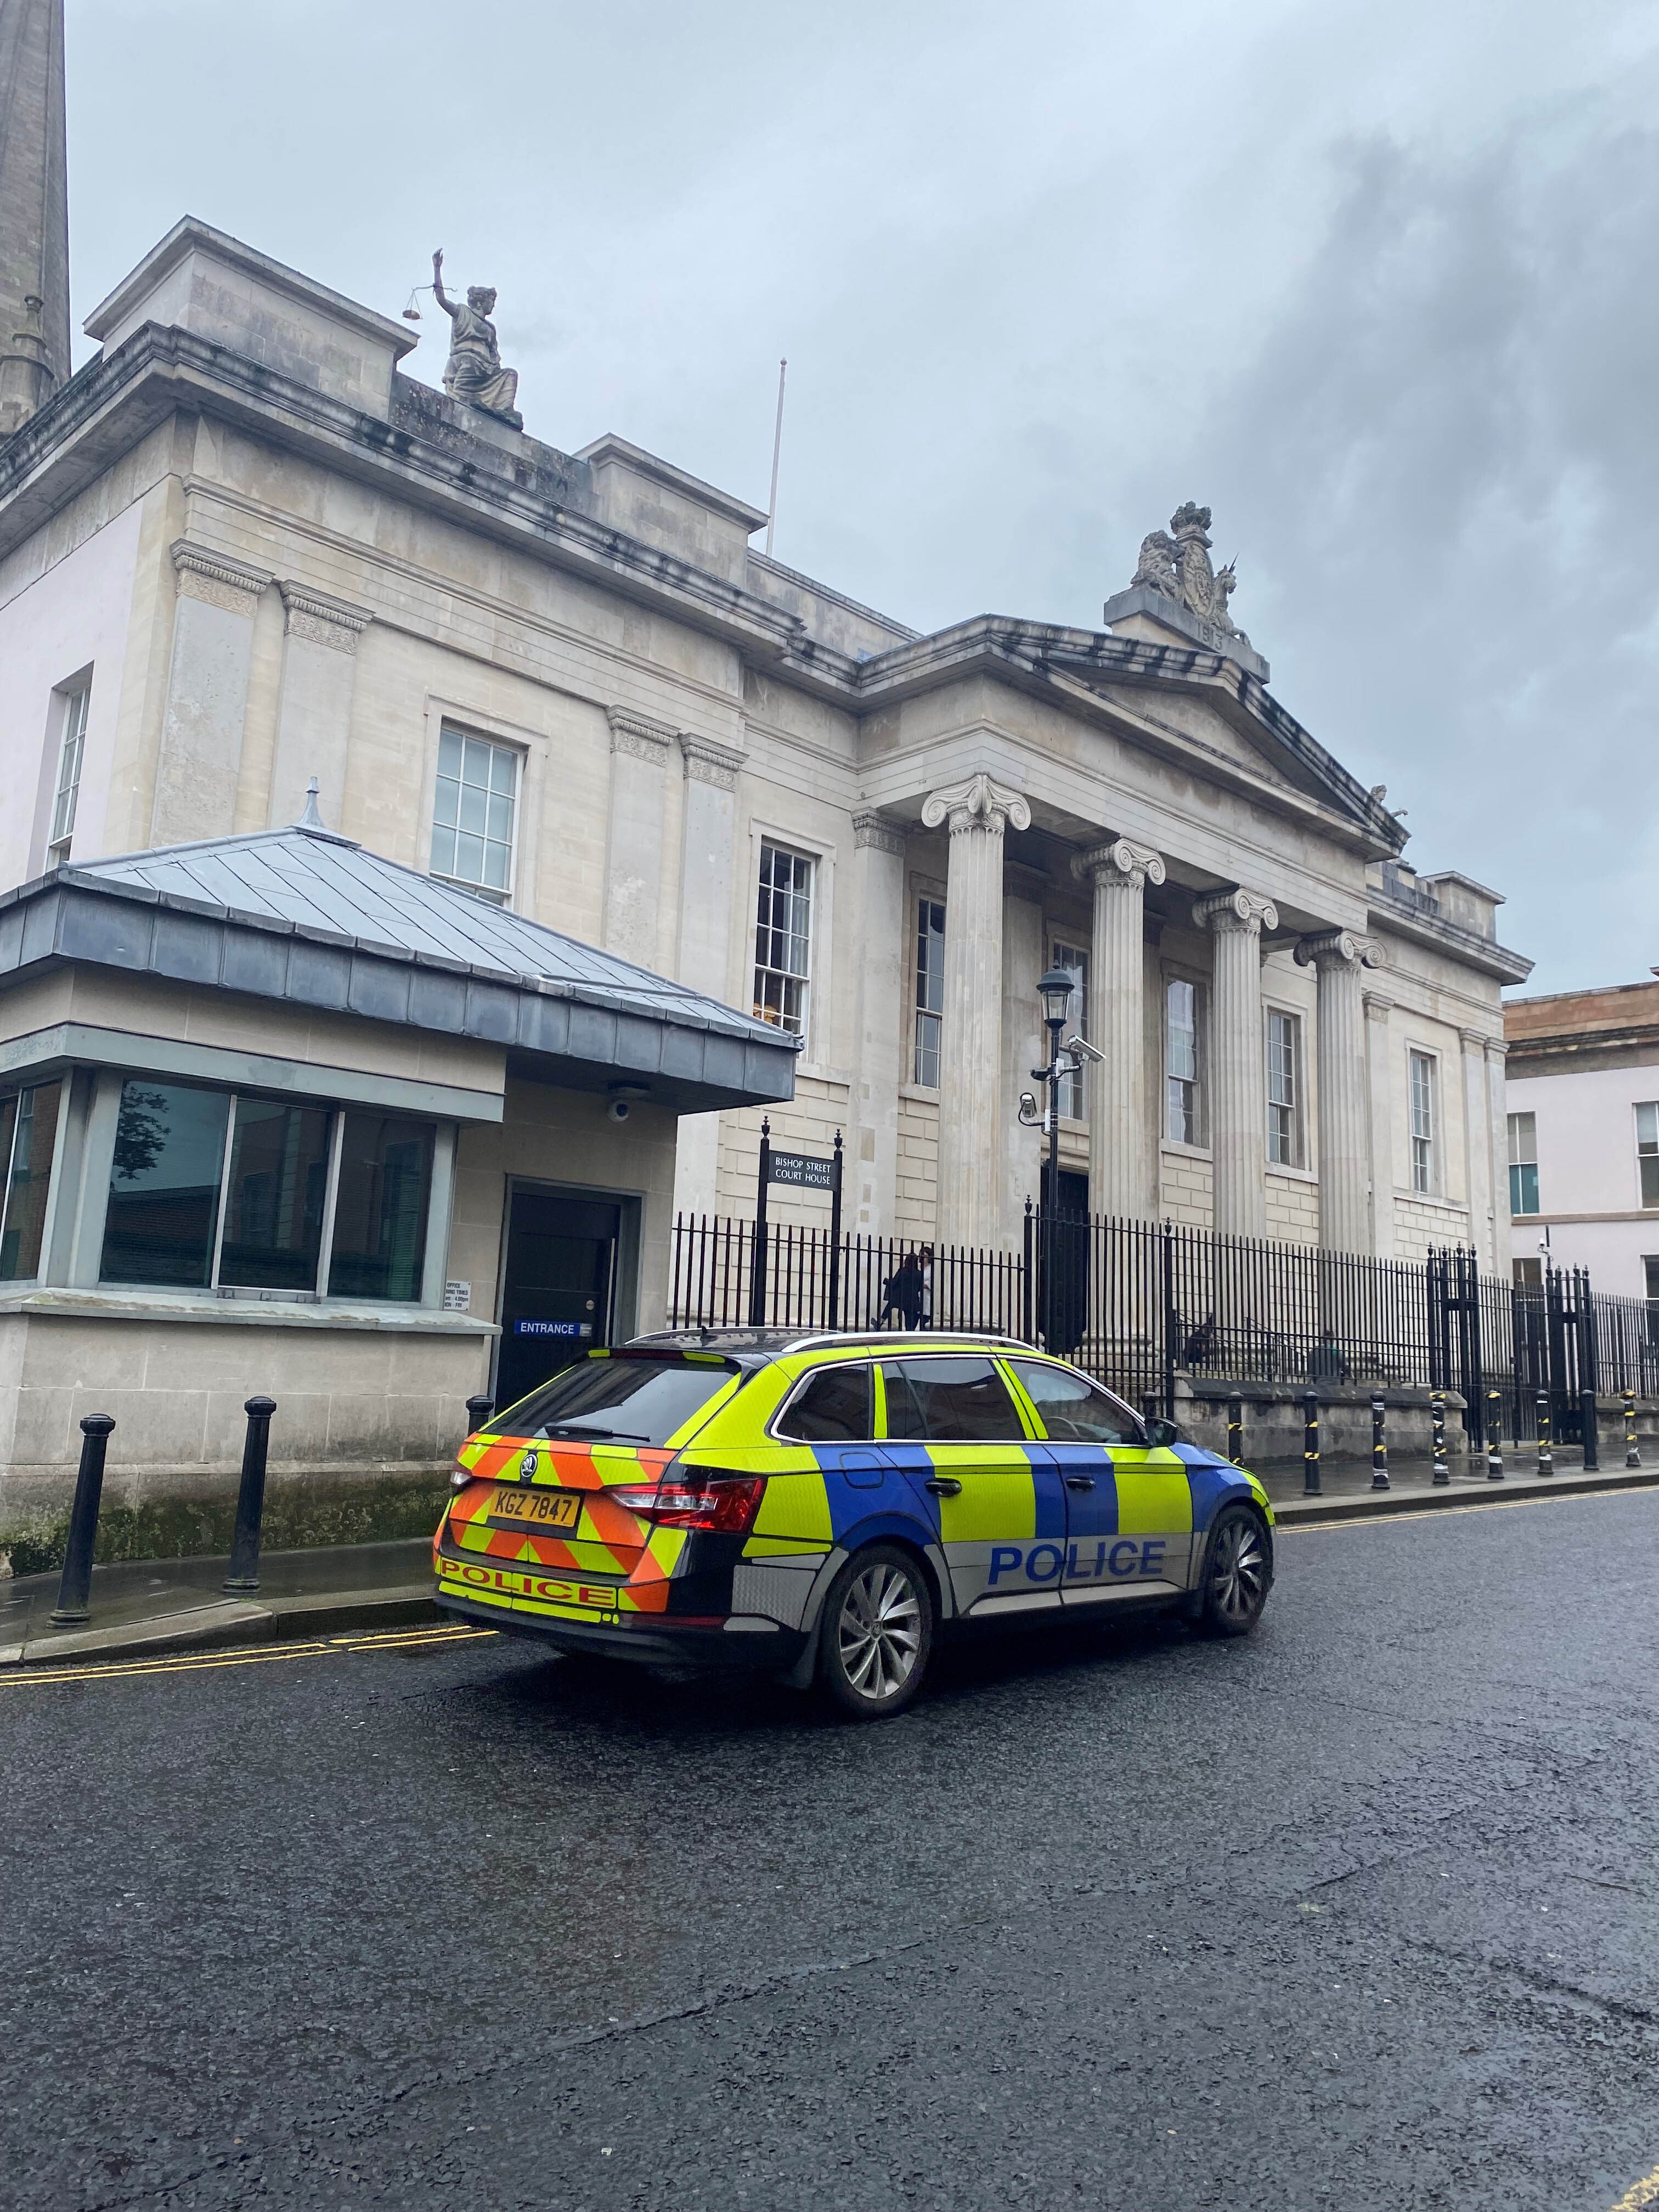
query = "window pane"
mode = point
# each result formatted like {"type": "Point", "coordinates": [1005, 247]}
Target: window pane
{"type": "Point", "coordinates": [837, 1407]}
{"type": "Point", "coordinates": [1074, 1411]}
{"type": "Point", "coordinates": [36, 1123]}
{"type": "Point", "coordinates": [1650, 1181]}
{"type": "Point", "coordinates": [1524, 1188]}
{"type": "Point", "coordinates": [646, 1399]}
{"type": "Point", "coordinates": [1647, 1128]}
{"type": "Point", "coordinates": [164, 1184]}
{"type": "Point", "coordinates": [379, 1215]}
{"type": "Point", "coordinates": [274, 1198]}
{"type": "Point", "coordinates": [476, 762]}
{"type": "Point", "coordinates": [474, 808]}
{"type": "Point", "coordinates": [449, 754]}
{"type": "Point", "coordinates": [1524, 1138]}
{"type": "Point", "coordinates": [443, 852]}
{"type": "Point", "coordinates": [1075, 961]}
{"type": "Point", "coordinates": [949, 1401]}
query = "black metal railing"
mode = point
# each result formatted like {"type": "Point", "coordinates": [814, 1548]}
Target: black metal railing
{"type": "Point", "coordinates": [1138, 1302]}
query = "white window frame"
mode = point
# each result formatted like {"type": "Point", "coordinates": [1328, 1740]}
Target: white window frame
{"type": "Point", "coordinates": [1647, 1148]}
{"type": "Point", "coordinates": [1074, 1088]}
{"type": "Point", "coordinates": [926, 894]}
{"type": "Point", "coordinates": [801, 1026]}
{"type": "Point", "coordinates": [76, 704]}
{"type": "Point", "coordinates": [1199, 1141]}
{"type": "Point", "coordinates": [457, 727]}
{"type": "Point", "coordinates": [1423, 1129]}
{"type": "Point", "coordinates": [1517, 1137]}
{"type": "Point", "coordinates": [1294, 1128]}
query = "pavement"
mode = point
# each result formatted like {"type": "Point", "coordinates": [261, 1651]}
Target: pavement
{"type": "Point", "coordinates": [1358, 1914]}
{"type": "Point", "coordinates": [180, 1604]}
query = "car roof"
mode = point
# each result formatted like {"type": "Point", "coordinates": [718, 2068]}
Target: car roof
{"type": "Point", "coordinates": [755, 1346]}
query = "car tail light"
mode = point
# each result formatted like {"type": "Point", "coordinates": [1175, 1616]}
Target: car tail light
{"type": "Point", "coordinates": [459, 1476]}
{"type": "Point", "coordinates": [727, 1504]}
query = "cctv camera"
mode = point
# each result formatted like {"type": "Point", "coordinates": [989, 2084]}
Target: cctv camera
{"type": "Point", "coordinates": [619, 1109]}
{"type": "Point", "coordinates": [1028, 1109]}
{"type": "Point", "coordinates": [1082, 1044]}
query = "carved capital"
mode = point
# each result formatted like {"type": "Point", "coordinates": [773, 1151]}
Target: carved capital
{"type": "Point", "coordinates": [1242, 911]}
{"type": "Point", "coordinates": [1118, 864]}
{"type": "Point", "coordinates": [638, 736]}
{"type": "Point", "coordinates": [707, 762]}
{"type": "Point", "coordinates": [1339, 948]}
{"type": "Point", "coordinates": [876, 831]}
{"type": "Point", "coordinates": [216, 580]}
{"type": "Point", "coordinates": [322, 621]}
{"type": "Point", "coordinates": [977, 806]}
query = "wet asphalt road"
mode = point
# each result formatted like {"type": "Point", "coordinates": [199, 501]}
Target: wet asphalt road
{"type": "Point", "coordinates": [1361, 1912]}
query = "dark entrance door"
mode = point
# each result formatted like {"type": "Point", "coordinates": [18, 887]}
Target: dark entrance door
{"type": "Point", "coordinates": [559, 1290]}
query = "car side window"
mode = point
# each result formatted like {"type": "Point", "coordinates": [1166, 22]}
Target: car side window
{"type": "Point", "coordinates": [943, 1400]}
{"type": "Point", "coordinates": [1071, 1409]}
{"type": "Point", "coordinates": [836, 1407]}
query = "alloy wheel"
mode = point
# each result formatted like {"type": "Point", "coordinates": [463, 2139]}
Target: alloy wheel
{"type": "Point", "coordinates": [1238, 1572]}
{"type": "Point", "coordinates": [880, 1631]}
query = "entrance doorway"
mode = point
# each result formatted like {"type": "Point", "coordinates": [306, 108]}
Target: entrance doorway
{"type": "Point", "coordinates": [559, 1289]}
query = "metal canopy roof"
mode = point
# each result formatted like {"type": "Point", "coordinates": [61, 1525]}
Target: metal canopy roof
{"type": "Point", "coordinates": [304, 915]}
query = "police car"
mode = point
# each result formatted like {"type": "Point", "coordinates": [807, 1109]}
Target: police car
{"type": "Point", "coordinates": [821, 1506]}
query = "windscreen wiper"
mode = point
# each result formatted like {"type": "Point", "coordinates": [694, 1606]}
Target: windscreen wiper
{"type": "Point", "coordinates": [580, 1430]}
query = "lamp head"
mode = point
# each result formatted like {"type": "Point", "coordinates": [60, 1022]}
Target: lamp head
{"type": "Point", "coordinates": [1055, 991]}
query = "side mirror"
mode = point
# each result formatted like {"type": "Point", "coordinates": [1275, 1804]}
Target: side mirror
{"type": "Point", "coordinates": [1160, 1433]}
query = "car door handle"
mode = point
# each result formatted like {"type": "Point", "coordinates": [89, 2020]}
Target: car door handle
{"type": "Point", "coordinates": [943, 1486]}
{"type": "Point", "coordinates": [1080, 1482]}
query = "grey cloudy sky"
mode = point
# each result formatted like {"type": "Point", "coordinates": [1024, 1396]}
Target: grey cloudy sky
{"type": "Point", "coordinates": [1377, 284]}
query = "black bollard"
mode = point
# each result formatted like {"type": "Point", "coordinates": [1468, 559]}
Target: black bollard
{"type": "Point", "coordinates": [1379, 1444]}
{"type": "Point", "coordinates": [1437, 1415]}
{"type": "Point", "coordinates": [1587, 1428]}
{"type": "Point", "coordinates": [76, 1586]}
{"type": "Point", "coordinates": [1545, 1456]}
{"type": "Point", "coordinates": [1633, 1454]}
{"type": "Point", "coordinates": [244, 1577]}
{"type": "Point", "coordinates": [1236, 1430]}
{"type": "Point", "coordinates": [1311, 1483]}
{"type": "Point", "coordinates": [478, 1411]}
{"type": "Point", "coordinates": [1494, 1431]}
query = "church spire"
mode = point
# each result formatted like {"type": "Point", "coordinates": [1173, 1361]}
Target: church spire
{"type": "Point", "coordinates": [34, 318]}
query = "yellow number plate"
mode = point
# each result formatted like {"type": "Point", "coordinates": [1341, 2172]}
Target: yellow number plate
{"type": "Point", "coordinates": [537, 1509]}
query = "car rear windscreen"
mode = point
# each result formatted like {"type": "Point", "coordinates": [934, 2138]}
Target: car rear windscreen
{"type": "Point", "coordinates": [625, 1401]}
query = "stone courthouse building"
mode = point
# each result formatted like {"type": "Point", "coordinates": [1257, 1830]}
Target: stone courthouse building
{"type": "Point", "coordinates": [244, 549]}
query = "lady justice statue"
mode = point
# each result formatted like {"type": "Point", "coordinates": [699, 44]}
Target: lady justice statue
{"type": "Point", "coordinates": [473, 371]}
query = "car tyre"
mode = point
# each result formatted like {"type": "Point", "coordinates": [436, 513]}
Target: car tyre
{"type": "Point", "coordinates": [1237, 1573]}
{"type": "Point", "coordinates": [877, 1633]}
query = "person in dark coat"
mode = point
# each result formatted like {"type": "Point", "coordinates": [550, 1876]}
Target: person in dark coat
{"type": "Point", "coordinates": [905, 1292]}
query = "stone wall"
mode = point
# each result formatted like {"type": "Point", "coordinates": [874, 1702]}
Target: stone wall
{"type": "Point", "coordinates": [1293, 1208]}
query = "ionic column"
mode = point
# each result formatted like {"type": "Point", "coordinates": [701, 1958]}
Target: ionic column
{"type": "Point", "coordinates": [1338, 959]}
{"type": "Point", "coordinates": [632, 856]}
{"type": "Point", "coordinates": [885, 947]}
{"type": "Point", "coordinates": [1379, 1091]}
{"type": "Point", "coordinates": [1238, 1081]}
{"type": "Point", "coordinates": [201, 754]}
{"type": "Point", "coordinates": [313, 719]}
{"type": "Point", "coordinates": [1119, 1160]}
{"type": "Point", "coordinates": [971, 1108]}
{"type": "Point", "coordinates": [708, 861]}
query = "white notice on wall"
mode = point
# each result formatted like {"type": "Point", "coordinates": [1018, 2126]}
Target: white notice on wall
{"type": "Point", "coordinates": [458, 1298]}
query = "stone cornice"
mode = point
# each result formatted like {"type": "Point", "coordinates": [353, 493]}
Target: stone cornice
{"type": "Point", "coordinates": [319, 620]}
{"type": "Point", "coordinates": [1119, 862]}
{"type": "Point", "coordinates": [639, 736]}
{"type": "Point", "coordinates": [215, 579]}
{"type": "Point", "coordinates": [976, 805]}
{"type": "Point", "coordinates": [1234, 909]}
{"type": "Point", "coordinates": [707, 762]}
{"type": "Point", "coordinates": [874, 832]}
{"type": "Point", "coordinates": [1482, 953]}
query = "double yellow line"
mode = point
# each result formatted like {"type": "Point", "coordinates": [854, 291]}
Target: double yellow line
{"type": "Point", "coordinates": [124, 1670]}
{"type": "Point", "coordinates": [1645, 2195]}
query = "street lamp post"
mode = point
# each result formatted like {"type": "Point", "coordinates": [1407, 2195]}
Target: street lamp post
{"type": "Point", "coordinates": [1055, 991]}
